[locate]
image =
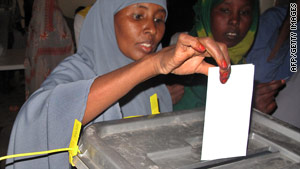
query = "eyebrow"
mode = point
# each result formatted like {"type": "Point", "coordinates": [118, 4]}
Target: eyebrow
{"type": "Point", "coordinates": [140, 6]}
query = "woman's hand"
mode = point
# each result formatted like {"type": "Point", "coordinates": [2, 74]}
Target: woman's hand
{"type": "Point", "coordinates": [264, 95]}
{"type": "Point", "coordinates": [176, 92]}
{"type": "Point", "coordinates": [187, 57]}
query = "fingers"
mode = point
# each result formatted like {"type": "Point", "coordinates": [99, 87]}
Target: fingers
{"type": "Point", "coordinates": [265, 88]}
{"type": "Point", "coordinates": [265, 103]}
{"type": "Point", "coordinates": [191, 44]}
{"type": "Point", "coordinates": [190, 52]}
{"type": "Point", "coordinates": [204, 67]}
{"type": "Point", "coordinates": [264, 96]}
{"type": "Point", "coordinates": [219, 52]}
{"type": "Point", "coordinates": [270, 107]}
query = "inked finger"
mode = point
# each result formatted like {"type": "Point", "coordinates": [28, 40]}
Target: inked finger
{"type": "Point", "coordinates": [219, 52]}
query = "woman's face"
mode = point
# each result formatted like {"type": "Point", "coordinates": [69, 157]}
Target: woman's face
{"type": "Point", "coordinates": [139, 28]}
{"type": "Point", "coordinates": [231, 20]}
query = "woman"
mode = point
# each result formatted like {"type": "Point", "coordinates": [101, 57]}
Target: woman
{"type": "Point", "coordinates": [49, 42]}
{"type": "Point", "coordinates": [232, 22]}
{"type": "Point", "coordinates": [271, 51]}
{"type": "Point", "coordinates": [110, 77]}
{"type": "Point", "coordinates": [272, 57]}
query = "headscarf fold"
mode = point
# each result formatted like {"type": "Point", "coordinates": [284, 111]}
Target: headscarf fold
{"type": "Point", "coordinates": [202, 28]}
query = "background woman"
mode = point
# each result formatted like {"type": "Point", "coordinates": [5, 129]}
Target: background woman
{"type": "Point", "coordinates": [232, 22]}
{"type": "Point", "coordinates": [49, 42]}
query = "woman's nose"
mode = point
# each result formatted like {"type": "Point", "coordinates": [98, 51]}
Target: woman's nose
{"type": "Point", "coordinates": [234, 19]}
{"type": "Point", "coordinates": [150, 27]}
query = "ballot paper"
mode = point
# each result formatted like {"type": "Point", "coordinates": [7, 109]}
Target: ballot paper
{"type": "Point", "coordinates": [227, 113]}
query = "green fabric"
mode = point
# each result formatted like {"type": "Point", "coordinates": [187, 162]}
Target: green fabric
{"type": "Point", "coordinates": [202, 28]}
{"type": "Point", "coordinates": [195, 96]}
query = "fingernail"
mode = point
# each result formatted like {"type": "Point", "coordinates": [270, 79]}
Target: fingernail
{"type": "Point", "coordinates": [224, 77]}
{"type": "Point", "coordinates": [201, 48]}
{"type": "Point", "coordinates": [224, 64]}
{"type": "Point", "coordinates": [223, 81]}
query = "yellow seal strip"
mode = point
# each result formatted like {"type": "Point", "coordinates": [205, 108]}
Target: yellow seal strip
{"type": "Point", "coordinates": [154, 104]}
{"type": "Point", "coordinates": [154, 107]}
{"type": "Point", "coordinates": [74, 141]}
{"type": "Point", "coordinates": [34, 153]}
{"type": "Point", "coordinates": [73, 148]}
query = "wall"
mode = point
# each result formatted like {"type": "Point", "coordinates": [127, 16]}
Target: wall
{"type": "Point", "coordinates": [68, 7]}
{"type": "Point", "coordinates": [265, 4]}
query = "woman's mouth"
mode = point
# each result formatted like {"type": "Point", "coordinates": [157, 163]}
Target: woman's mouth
{"type": "Point", "coordinates": [146, 47]}
{"type": "Point", "coordinates": [232, 35]}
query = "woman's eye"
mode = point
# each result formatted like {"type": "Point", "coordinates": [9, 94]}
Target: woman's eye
{"type": "Point", "coordinates": [245, 12]}
{"type": "Point", "coordinates": [137, 16]}
{"type": "Point", "coordinates": [225, 10]}
{"type": "Point", "coordinates": [159, 20]}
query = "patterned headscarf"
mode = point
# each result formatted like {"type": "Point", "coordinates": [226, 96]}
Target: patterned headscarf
{"type": "Point", "coordinates": [202, 28]}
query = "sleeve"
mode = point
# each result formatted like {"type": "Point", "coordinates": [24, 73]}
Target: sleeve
{"type": "Point", "coordinates": [46, 119]}
{"type": "Point", "coordinates": [269, 24]}
{"type": "Point", "coordinates": [265, 39]}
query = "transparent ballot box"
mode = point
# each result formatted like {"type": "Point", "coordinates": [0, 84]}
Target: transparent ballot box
{"type": "Point", "coordinates": [173, 141]}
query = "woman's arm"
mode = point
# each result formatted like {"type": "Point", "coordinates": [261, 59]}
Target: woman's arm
{"type": "Point", "coordinates": [184, 58]}
{"type": "Point", "coordinates": [108, 88]}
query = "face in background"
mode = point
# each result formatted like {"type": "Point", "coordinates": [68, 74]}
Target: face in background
{"type": "Point", "coordinates": [231, 20]}
{"type": "Point", "coordinates": [139, 28]}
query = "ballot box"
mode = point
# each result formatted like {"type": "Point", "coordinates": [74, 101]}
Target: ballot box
{"type": "Point", "coordinates": [173, 141]}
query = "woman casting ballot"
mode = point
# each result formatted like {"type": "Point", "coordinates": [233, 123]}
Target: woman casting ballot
{"type": "Point", "coordinates": [111, 76]}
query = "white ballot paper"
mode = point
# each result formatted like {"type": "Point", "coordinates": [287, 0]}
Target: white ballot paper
{"type": "Point", "coordinates": [227, 113]}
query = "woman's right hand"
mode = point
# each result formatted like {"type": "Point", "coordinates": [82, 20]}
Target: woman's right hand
{"type": "Point", "coordinates": [264, 95]}
{"type": "Point", "coordinates": [187, 57]}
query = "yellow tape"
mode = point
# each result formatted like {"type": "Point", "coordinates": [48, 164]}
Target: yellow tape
{"type": "Point", "coordinates": [34, 153]}
{"type": "Point", "coordinates": [73, 148]}
{"type": "Point", "coordinates": [154, 104]}
{"type": "Point", "coordinates": [154, 107]}
{"type": "Point", "coordinates": [128, 117]}
{"type": "Point", "coordinates": [74, 140]}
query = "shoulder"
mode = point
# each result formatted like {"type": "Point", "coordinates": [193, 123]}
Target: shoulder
{"type": "Point", "coordinates": [275, 14]}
